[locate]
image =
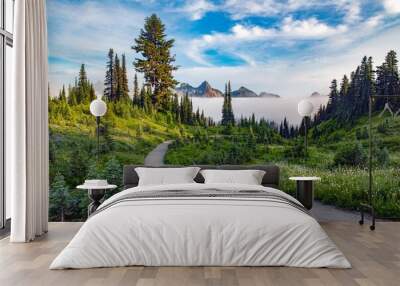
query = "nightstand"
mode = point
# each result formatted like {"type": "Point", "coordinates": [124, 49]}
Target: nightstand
{"type": "Point", "coordinates": [305, 190]}
{"type": "Point", "coordinates": [96, 193]}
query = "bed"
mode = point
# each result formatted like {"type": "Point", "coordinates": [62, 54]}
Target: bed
{"type": "Point", "coordinates": [198, 224]}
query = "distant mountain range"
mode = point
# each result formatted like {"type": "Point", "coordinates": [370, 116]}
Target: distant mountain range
{"type": "Point", "coordinates": [203, 90]}
{"type": "Point", "coordinates": [206, 90]}
{"type": "Point", "coordinates": [316, 94]}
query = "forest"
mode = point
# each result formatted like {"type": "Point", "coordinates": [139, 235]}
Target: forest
{"type": "Point", "coordinates": [139, 119]}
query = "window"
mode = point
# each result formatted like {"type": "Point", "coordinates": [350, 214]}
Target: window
{"type": "Point", "coordinates": [6, 44]}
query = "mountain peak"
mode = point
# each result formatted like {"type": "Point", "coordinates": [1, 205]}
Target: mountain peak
{"type": "Point", "coordinates": [184, 85]}
{"type": "Point", "coordinates": [268, 94]}
{"type": "Point", "coordinates": [204, 84]}
{"type": "Point", "coordinates": [243, 92]}
{"type": "Point", "coordinates": [203, 90]}
{"type": "Point", "coordinates": [316, 94]}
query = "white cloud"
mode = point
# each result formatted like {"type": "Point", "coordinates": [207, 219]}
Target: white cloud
{"type": "Point", "coordinates": [391, 6]}
{"type": "Point", "coordinates": [352, 11]}
{"type": "Point", "coordinates": [289, 30]}
{"type": "Point", "coordinates": [197, 8]}
{"type": "Point", "coordinates": [309, 28]}
{"type": "Point", "coordinates": [374, 21]}
{"type": "Point", "coordinates": [240, 9]}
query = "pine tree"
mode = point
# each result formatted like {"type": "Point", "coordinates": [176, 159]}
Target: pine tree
{"type": "Point", "coordinates": [94, 171]}
{"type": "Point", "coordinates": [231, 116]}
{"type": "Point", "coordinates": [59, 196]}
{"type": "Point", "coordinates": [225, 113]}
{"type": "Point", "coordinates": [388, 81]}
{"type": "Point", "coordinates": [136, 97]}
{"type": "Point", "coordinates": [156, 62]}
{"type": "Point", "coordinates": [286, 133]}
{"type": "Point", "coordinates": [124, 79]}
{"type": "Point", "coordinates": [62, 97]}
{"type": "Point", "coordinates": [113, 172]}
{"type": "Point", "coordinates": [83, 91]}
{"type": "Point", "coordinates": [117, 78]}
{"type": "Point", "coordinates": [342, 99]}
{"type": "Point", "coordinates": [92, 93]}
{"type": "Point", "coordinates": [228, 117]}
{"type": "Point", "coordinates": [109, 82]}
{"type": "Point", "coordinates": [142, 98]}
{"type": "Point", "coordinates": [367, 86]}
{"type": "Point", "coordinates": [175, 108]}
{"type": "Point", "coordinates": [333, 99]}
{"type": "Point", "coordinates": [72, 96]}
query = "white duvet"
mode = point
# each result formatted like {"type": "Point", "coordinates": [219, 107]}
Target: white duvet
{"type": "Point", "coordinates": [200, 231]}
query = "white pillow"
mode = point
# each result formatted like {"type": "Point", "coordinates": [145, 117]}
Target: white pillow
{"type": "Point", "coordinates": [166, 176]}
{"type": "Point", "coordinates": [248, 177]}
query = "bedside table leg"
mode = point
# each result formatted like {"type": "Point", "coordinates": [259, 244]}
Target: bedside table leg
{"type": "Point", "coordinates": [95, 196]}
{"type": "Point", "coordinates": [305, 193]}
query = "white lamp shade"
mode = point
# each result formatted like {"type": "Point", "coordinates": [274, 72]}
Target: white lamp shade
{"type": "Point", "coordinates": [305, 108]}
{"type": "Point", "coordinates": [98, 107]}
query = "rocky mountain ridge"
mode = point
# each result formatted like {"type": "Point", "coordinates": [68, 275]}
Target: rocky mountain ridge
{"type": "Point", "coordinates": [206, 90]}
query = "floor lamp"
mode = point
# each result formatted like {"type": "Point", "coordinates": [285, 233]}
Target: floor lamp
{"type": "Point", "coordinates": [98, 108]}
{"type": "Point", "coordinates": [305, 109]}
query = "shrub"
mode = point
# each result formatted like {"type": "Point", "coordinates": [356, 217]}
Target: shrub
{"type": "Point", "coordinates": [383, 127]}
{"type": "Point", "coordinates": [362, 133]}
{"type": "Point", "coordinates": [350, 155]}
{"type": "Point", "coordinates": [382, 157]}
{"type": "Point", "coordinates": [296, 151]}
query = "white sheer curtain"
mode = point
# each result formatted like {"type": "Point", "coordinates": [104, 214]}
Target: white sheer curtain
{"type": "Point", "coordinates": [27, 123]}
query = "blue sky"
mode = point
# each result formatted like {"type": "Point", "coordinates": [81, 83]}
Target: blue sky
{"type": "Point", "coordinates": [289, 47]}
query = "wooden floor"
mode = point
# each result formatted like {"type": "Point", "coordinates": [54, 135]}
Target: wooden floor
{"type": "Point", "coordinates": [375, 257]}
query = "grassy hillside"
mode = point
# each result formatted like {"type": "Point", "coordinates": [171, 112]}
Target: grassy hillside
{"type": "Point", "coordinates": [341, 185]}
{"type": "Point", "coordinates": [128, 134]}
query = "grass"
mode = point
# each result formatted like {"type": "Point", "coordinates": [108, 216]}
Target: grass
{"type": "Point", "coordinates": [345, 187]}
{"type": "Point", "coordinates": [128, 136]}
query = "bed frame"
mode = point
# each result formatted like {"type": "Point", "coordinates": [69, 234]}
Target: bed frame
{"type": "Point", "coordinates": [270, 179]}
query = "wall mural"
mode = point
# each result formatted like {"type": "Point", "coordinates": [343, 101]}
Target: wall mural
{"type": "Point", "coordinates": [223, 82]}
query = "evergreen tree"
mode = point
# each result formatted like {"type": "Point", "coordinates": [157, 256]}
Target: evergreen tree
{"type": "Point", "coordinates": [142, 98]}
{"type": "Point", "coordinates": [59, 197]}
{"type": "Point", "coordinates": [333, 99]}
{"type": "Point", "coordinates": [62, 97]}
{"type": "Point", "coordinates": [113, 172]}
{"type": "Point", "coordinates": [175, 108]}
{"type": "Point", "coordinates": [186, 110]}
{"type": "Point", "coordinates": [109, 82]}
{"type": "Point", "coordinates": [72, 95]}
{"type": "Point", "coordinates": [286, 132]}
{"type": "Point", "coordinates": [136, 95]}
{"type": "Point", "coordinates": [367, 86]}
{"type": "Point", "coordinates": [83, 87]}
{"type": "Point", "coordinates": [149, 99]}
{"type": "Point", "coordinates": [225, 116]}
{"type": "Point", "coordinates": [78, 167]}
{"type": "Point", "coordinates": [117, 78]}
{"type": "Point", "coordinates": [94, 172]}
{"type": "Point", "coordinates": [124, 79]}
{"type": "Point", "coordinates": [231, 116]}
{"type": "Point", "coordinates": [388, 81]}
{"type": "Point", "coordinates": [344, 87]}
{"type": "Point", "coordinates": [156, 62]}
{"type": "Point", "coordinates": [92, 93]}
{"type": "Point", "coordinates": [342, 98]}
{"type": "Point", "coordinates": [228, 117]}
